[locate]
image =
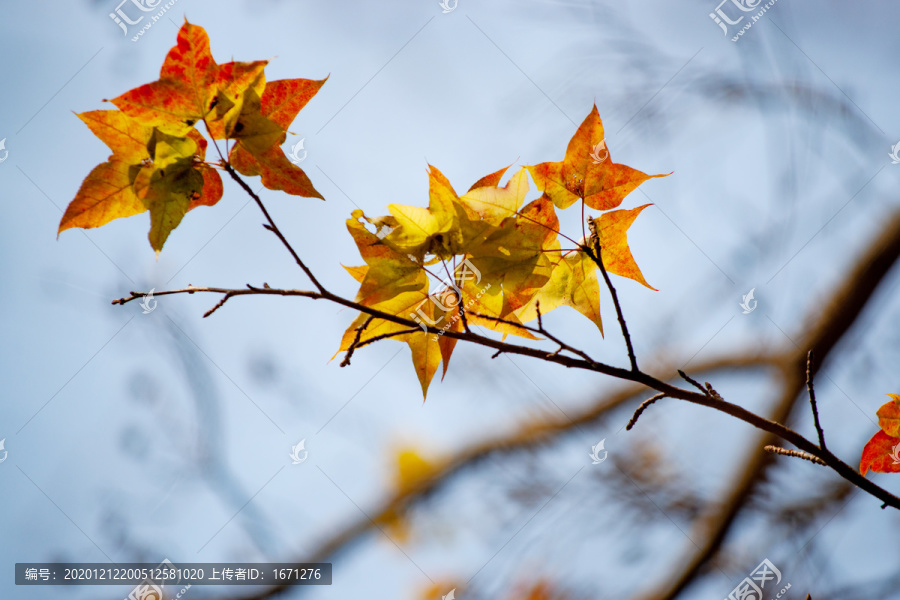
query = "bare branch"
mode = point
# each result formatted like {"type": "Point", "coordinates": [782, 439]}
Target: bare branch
{"type": "Point", "coordinates": [693, 382]}
{"type": "Point", "coordinates": [794, 453]}
{"type": "Point", "coordinates": [596, 255]}
{"type": "Point", "coordinates": [640, 409]}
{"type": "Point", "coordinates": [355, 342]}
{"type": "Point", "coordinates": [812, 400]}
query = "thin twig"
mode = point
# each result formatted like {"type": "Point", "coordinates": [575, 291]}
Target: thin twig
{"type": "Point", "coordinates": [596, 256]}
{"type": "Point", "coordinates": [540, 331]}
{"type": "Point", "coordinates": [387, 336]}
{"type": "Point", "coordinates": [812, 400]}
{"type": "Point", "coordinates": [355, 342]}
{"type": "Point", "coordinates": [250, 291]}
{"type": "Point", "coordinates": [271, 226]}
{"type": "Point", "coordinates": [691, 381]}
{"type": "Point", "coordinates": [795, 454]}
{"type": "Point", "coordinates": [640, 409]}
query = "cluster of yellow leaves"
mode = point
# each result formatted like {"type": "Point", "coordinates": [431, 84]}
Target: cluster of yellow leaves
{"type": "Point", "coordinates": [159, 156]}
{"type": "Point", "coordinates": [882, 453]}
{"type": "Point", "coordinates": [495, 256]}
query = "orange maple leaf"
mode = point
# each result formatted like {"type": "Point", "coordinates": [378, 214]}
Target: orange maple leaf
{"type": "Point", "coordinates": [587, 172]}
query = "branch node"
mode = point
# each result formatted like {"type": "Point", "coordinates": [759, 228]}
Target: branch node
{"type": "Point", "coordinates": [712, 393]}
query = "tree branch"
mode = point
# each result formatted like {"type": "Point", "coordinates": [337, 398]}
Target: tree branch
{"type": "Point", "coordinates": [596, 255]}
{"type": "Point", "coordinates": [845, 307]}
{"type": "Point", "coordinates": [812, 400]}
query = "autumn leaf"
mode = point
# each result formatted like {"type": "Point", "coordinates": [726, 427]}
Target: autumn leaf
{"type": "Point", "coordinates": [233, 80]}
{"type": "Point", "coordinates": [889, 416]}
{"type": "Point", "coordinates": [612, 229]}
{"type": "Point", "coordinates": [126, 137]}
{"type": "Point", "coordinates": [573, 282]}
{"type": "Point", "coordinates": [517, 256]}
{"type": "Point", "coordinates": [284, 98]}
{"type": "Point", "coordinates": [275, 170]}
{"type": "Point", "coordinates": [105, 194]}
{"type": "Point", "coordinates": [169, 184]}
{"type": "Point", "coordinates": [448, 344]}
{"type": "Point", "coordinates": [185, 91]}
{"type": "Point", "coordinates": [491, 180]}
{"type": "Point", "coordinates": [881, 454]}
{"type": "Point", "coordinates": [425, 348]}
{"type": "Point", "coordinates": [392, 283]}
{"type": "Point", "coordinates": [431, 230]}
{"type": "Point", "coordinates": [212, 189]}
{"type": "Point", "coordinates": [261, 129]}
{"type": "Point", "coordinates": [158, 162]}
{"type": "Point", "coordinates": [602, 184]}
